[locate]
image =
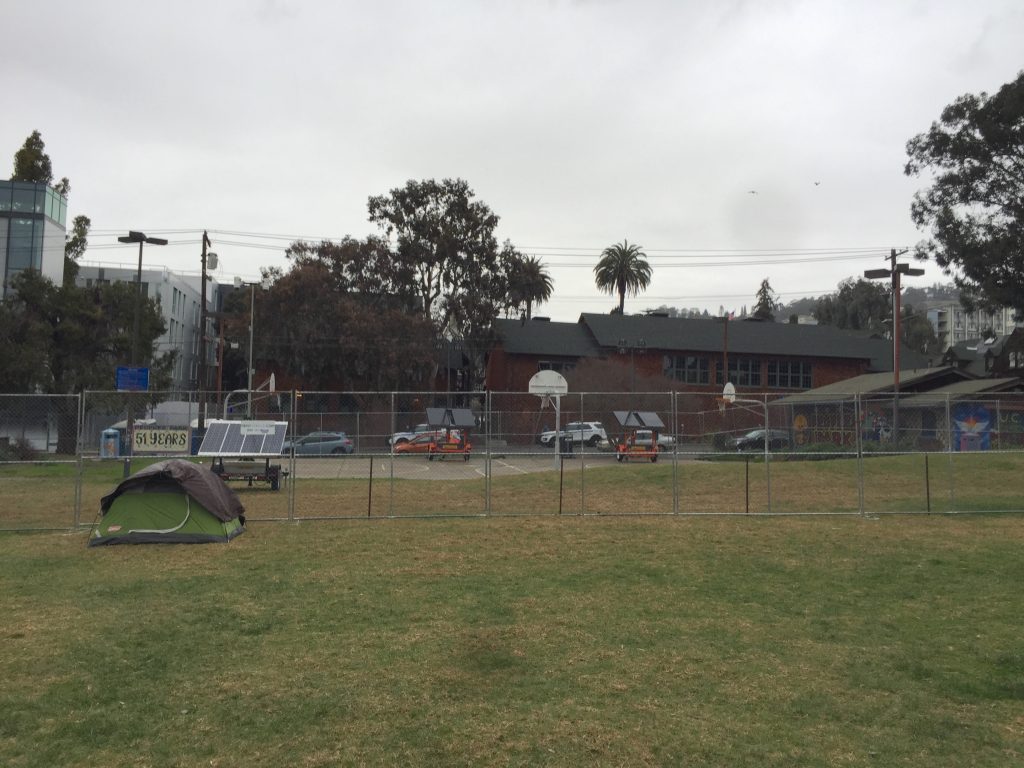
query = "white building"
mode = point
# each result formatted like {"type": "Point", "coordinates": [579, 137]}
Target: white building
{"type": "Point", "coordinates": [954, 324]}
{"type": "Point", "coordinates": [180, 298]}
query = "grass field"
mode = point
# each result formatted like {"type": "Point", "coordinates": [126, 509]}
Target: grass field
{"type": "Point", "coordinates": [788, 641]}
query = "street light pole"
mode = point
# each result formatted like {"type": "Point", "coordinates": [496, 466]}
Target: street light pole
{"type": "Point", "coordinates": [202, 383]}
{"type": "Point", "coordinates": [140, 238]}
{"type": "Point", "coordinates": [893, 273]}
{"type": "Point", "coordinates": [252, 322]}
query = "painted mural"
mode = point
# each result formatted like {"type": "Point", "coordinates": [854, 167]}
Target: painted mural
{"type": "Point", "coordinates": [972, 427]}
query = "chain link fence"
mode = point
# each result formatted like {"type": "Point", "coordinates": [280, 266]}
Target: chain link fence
{"type": "Point", "coordinates": [380, 454]}
{"type": "Point", "coordinates": [40, 464]}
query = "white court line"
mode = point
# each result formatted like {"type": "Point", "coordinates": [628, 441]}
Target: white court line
{"type": "Point", "coordinates": [508, 466]}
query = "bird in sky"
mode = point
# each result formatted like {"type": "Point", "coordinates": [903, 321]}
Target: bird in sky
{"type": "Point", "coordinates": [751, 191]}
{"type": "Point", "coordinates": [817, 183]}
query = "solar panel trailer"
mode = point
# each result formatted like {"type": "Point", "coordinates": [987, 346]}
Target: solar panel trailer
{"type": "Point", "coordinates": [456, 423]}
{"type": "Point", "coordinates": [627, 447]}
{"type": "Point", "coordinates": [236, 449]}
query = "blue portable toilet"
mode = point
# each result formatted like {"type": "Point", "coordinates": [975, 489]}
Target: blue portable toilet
{"type": "Point", "coordinates": [110, 444]}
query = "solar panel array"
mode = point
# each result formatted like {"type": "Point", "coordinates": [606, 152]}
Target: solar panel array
{"type": "Point", "coordinates": [244, 438]}
{"type": "Point", "coordinates": [451, 417]}
{"type": "Point", "coordinates": [639, 419]}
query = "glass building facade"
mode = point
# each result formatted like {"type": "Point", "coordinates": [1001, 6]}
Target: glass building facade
{"type": "Point", "coordinates": [33, 223]}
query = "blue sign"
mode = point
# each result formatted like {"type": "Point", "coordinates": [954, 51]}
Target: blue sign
{"type": "Point", "coordinates": [132, 379]}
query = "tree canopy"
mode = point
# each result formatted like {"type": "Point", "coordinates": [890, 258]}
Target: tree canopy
{"type": "Point", "coordinates": [622, 270]}
{"type": "Point", "coordinates": [766, 302]}
{"type": "Point", "coordinates": [31, 163]}
{"type": "Point", "coordinates": [321, 323]}
{"type": "Point", "coordinates": [858, 305]}
{"type": "Point", "coordinates": [974, 207]}
{"type": "Point", "coordinates": [863, 305]}
{"type": "Point", "coordinates": [443, 238]}
{"type": "Point", "coordinates": [62, 339]}
{"type": "Point", "coordinates": [529, 282]}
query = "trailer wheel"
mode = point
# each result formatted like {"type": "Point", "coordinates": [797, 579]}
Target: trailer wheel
{"type": "Point", "coordinates": [654, 458]}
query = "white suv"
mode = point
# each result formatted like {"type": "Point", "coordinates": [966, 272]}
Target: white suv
{"type": "Point", "coordinates": [404, 437]}
{"type": "Point", "coordinates": [584, 432]}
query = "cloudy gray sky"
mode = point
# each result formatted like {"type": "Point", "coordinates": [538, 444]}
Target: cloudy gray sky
{"type": "Point", "coordinates": [579, 123]}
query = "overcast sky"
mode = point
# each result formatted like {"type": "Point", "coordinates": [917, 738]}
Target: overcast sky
{"type": "Point", "coordinates": [760, 135]}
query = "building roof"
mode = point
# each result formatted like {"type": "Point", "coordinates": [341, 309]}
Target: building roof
{"type": "Point", "coordinates": [542, 337]}
{"type": "Point", "coordinates": [870, 383]}
{"type": "Point", "coordinates": [745, 337]}
{"type": "Point", "coordinates": [961, 389]}
{"type": "Point", "coordinates": [596, 334]}
{"type": "Point", "coordinates": [972, 352]}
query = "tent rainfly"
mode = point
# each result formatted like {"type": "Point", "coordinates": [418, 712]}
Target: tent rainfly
{"type": "Point", "coordinates": [173, 501]}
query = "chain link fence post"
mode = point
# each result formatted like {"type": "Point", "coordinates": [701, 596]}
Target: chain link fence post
{"type": "Point", "coordinates": [394, 429]}
{"type": "Point", "coordinates": [858, 421]}
{"type": "Point", "coordinates": [487, 454]}
{"type": "Point", "coordinates": [677, 436]}
{"type": "Point", "coordinates": [80, 463]}
{"type": "Point", "coordinates": [292, 490]}
{"type": "Point", "coordinates": [949, 451]}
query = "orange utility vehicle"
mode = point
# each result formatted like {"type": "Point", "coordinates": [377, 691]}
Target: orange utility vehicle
{"type": "Point", "coordinates": [628, 447]}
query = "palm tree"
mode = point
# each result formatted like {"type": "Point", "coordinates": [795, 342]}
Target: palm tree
{"type": "Point", "coordinates": [623, 269]}
{"type": "Point", "coordinates": [530, 282]}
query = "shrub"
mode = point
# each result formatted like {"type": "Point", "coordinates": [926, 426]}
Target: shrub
{"type": "Point", "coordinates": [18, 449]}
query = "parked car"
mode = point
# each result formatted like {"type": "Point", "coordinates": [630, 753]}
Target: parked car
{"type": "Point", "coordinates": [754, 441]}
{"type": "Point", "coordinates": [583, 432]}
{"type": "Point", "coordinates": [320, 444]}
{"type": "Point", "coordinates": [403, 437]}
{"type": "Point", "coordinates": [643, 438]}
{"type": "Point", "coordinates": [422, 442]}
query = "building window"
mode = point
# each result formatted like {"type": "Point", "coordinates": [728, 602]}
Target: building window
{"type": "Point", "coordinates": [21, 238]}
{"type": "Point", "coordinates": [1016, 359]}
{"type": "Point", "coordinates": [561, 366]}
{"type": "Point", "coordinates": [743, 372]}
{"type": "Point", "coordinates": [789, 374]}
{"type": "Point", "coordinates": [688, 369]}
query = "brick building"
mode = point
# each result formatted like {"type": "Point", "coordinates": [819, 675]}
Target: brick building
{"type": "Point", "coordinates": [604, 353]}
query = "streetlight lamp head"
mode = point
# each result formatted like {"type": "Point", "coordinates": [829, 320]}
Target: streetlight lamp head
{"type": "Point", "coordinates": [140, 237]}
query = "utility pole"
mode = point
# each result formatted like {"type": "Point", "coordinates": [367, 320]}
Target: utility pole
{"type": "Point", "coordinates": [202, 338]}
{"type": "Point", "coordinates": [893, 274]}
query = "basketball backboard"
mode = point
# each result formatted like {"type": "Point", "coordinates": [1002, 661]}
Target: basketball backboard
{"type": "Point", "coordinates": [546, 383]}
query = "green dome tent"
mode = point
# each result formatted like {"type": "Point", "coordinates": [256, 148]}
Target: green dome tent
{"type": "Point", "coordinates": [173, 501]}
